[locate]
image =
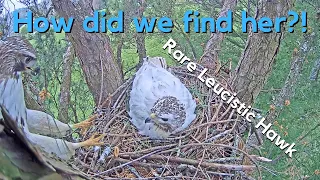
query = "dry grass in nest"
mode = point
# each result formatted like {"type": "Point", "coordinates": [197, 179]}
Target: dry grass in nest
{"type": "Point", "coordinates": [210, 148]}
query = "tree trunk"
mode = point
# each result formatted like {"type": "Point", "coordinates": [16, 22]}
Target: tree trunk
{"type": "Point", "coordinates": [65, 86]}
{"type": "Point", "coordinates": [141, 48]}
{"type": "Point", "coordinates": [210, 55]}
{"type": "Point", "coordinates": [140, 37]}
{"type": "Point", "coordinates": [315, 70]}
{"type": "Point", "coordinates": [287, 92]}
{"type": "Point", "coordinates": [93, 50]}
{"type": "Point", "coordinates": [29, 91]}
{"type": "Point", "coordinates": [30, 102]}
{"type": "Point", "coordinates": [119, 54]}
{"type": "Point", "coordinates": [258, 56]}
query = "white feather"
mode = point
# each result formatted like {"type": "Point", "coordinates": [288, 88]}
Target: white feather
{"type": "Point", "coordinates": [12, 98]}
{"type": "Point", "coordinates": [150, 84]}
{"type": "Point", "coordinates": [44, 124]}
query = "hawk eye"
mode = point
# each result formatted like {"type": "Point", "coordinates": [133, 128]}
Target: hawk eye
{"type": "Point", "coordinates": [164, 119]}
{"type": "Point", "coordinates": [29, 59]}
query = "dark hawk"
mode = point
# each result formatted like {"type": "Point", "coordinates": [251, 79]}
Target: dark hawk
{"type": "Point", "coordinates": [17, 56]}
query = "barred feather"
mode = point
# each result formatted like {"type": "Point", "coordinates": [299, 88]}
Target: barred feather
{"type": "Point", "coordinates": [13, 51]}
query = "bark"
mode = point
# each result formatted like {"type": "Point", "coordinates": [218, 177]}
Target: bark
{"type": "Point", "coordinates": [65, 85]}
{"type": "Point", "coordinates": [98, 4]}
{"type": "Point", "coordinates": [141, 48]}
{"type": "Point", "coordinates": [29, 91]}
{"type": "Point", "coordinates": [315, 71]}
{"type": "Point", "coordinates": [259, 54]}
{"type": "Point", "coordinates": [288, 90]}
{"type": "Point", "coordinates": [30, 102]}
{"type": "Point", "coordinates": [93, 50]}
{"type": "Point", "coordinates": [140, 37]}
{"type": "Point", "coordinates": [119, 54]}
{"type": "Point", "coordinates": [210, 55]}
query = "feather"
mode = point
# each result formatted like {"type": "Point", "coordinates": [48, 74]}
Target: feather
{"type": "Point", "coordinates": [151, 83]}
{"type": "Point", "coordinates": [14, 54]}
{"type": "Point", "coordinates": [24, 158]}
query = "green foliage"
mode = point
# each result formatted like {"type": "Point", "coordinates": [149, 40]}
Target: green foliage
{"type": "Point", "coordinates": [301, 115]}
{"type": "Point", "coordinates": [50, 47]}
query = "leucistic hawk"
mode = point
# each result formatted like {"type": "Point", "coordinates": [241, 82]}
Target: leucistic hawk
{"type": "Point", "coordinates": [17, 56]}
{"type": "Point", "coordinates": [160, 105]}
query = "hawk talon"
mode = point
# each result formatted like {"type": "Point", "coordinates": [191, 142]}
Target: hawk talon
{"type": "Point", "coordinates": [93, 140]}
{"type": "Point", "coordinates": [85, 125]}
{"type": "Point", "coordinates": [83, 131]}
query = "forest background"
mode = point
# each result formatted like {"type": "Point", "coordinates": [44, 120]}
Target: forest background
{"type": "Point", "coordinates": [283, 84]}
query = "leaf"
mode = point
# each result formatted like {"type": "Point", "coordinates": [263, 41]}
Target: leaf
{"type": "Point", "coordinates": [287, 102]}
{"type": "Point", "coordinates": [116, 151]}
{"type": "Point", "coordinates": [272, 107]}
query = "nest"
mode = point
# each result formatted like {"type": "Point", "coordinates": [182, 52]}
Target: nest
{"type": "Point", "coordinates": [210, 148]}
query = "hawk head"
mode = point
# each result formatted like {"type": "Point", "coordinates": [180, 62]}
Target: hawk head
{"type": "Point", "coordinates": [167, 115]}
{"type": "Point", "coordinates": [17, 56]}
{"type": "Point", "coordinates": [157, 61]}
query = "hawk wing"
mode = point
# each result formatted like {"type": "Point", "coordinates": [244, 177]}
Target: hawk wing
{"type": "Point", "coordinates": [12, 98]}
{"type": "Point", "coordinates": [27, 158]}
{"type": "Point", "coordinates": [152, 83]}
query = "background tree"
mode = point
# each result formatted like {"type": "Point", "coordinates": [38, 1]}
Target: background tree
{"type": "Point", "coordinates": [259, 54]}
{"type": "Point", "coordinates": [213, 46]}
{"type": "Point", "coordinates": [64, 101]}
{"type": "Point", "coordinates": [93, 50]}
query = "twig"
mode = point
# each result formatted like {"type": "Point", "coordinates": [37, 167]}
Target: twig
{"type": "Point", "coordinates": [148, 150]}
{"type": "Point", "coordinates": [111, 120]}
{"type": "Point", "coordinates": [199, 165]}
{"type": "Point", "coordinates": [204, 164]}
{"type": "Point", "coordinates": [102, 77]}
{"type": "Point", "coordinates": [134, 171]}
{"type": "Point", "coordinates": [205, 124]}
{"type": "Point", "coordinates": [218, 145]}
{"type": "Point", "coordinates": [212, 139]}
{"type": "Point", "coordinates": [115, 141]}
{"type": "Point", "coordinates": [227, 159]}
{"type": "Point", "coordinates": [128, 163]}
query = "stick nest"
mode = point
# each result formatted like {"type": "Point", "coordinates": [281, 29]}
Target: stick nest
{"type": "Point", "coordinates": [210, 148]}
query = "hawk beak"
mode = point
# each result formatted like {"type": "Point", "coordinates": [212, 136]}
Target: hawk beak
{"type": "Point", "coordinates": [149, 120]}
{"type": "Point", "coordinates": [153, 115]}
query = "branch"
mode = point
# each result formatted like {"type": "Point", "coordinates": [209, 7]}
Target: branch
{"type": "Point", "coordinates": [288, 90]}
{"type": "Point", "coordinates": [193, 162]}
{"type": "Point", "coordinates": [210, 55]}
{"type": "Point", "coordinates": [188, 40]}
{"type": "Point", "coordinates": [66, 83]}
